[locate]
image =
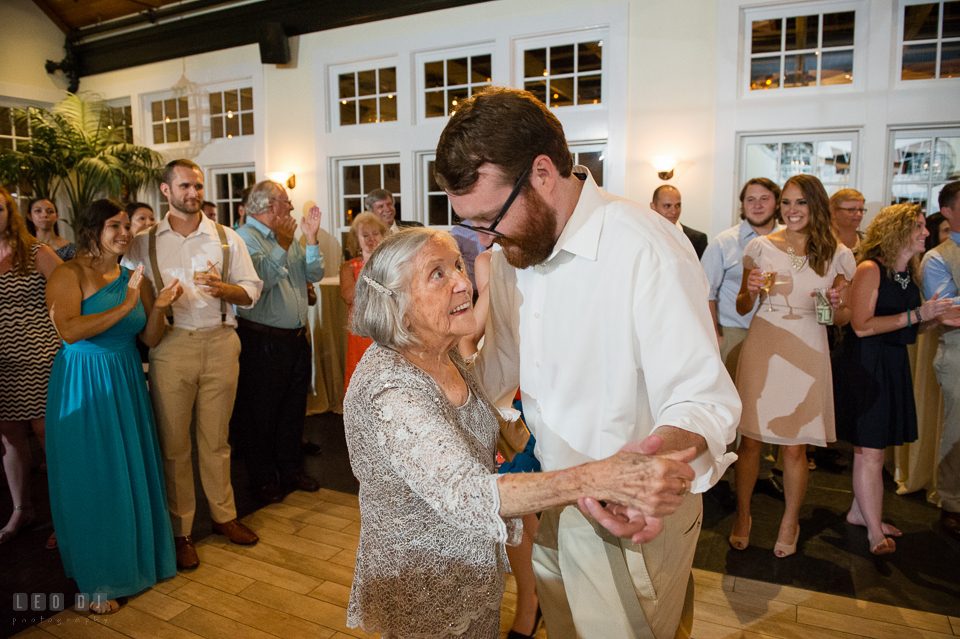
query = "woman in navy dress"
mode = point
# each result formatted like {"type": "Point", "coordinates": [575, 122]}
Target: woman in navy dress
{"type": "Point", "coordinates": [106, 484]}
{"type": "Point", "coordinates": [875, 405]}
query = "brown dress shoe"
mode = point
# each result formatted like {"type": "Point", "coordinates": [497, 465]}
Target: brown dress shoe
{"type": "Point", "coordinates": [951, 523]}
{"type": "Point", "coordinates": [301, 481]}
{"type": "Point", "coordinates": [236, 532]}
{"type": "Point", "coordinates": [186, 553]}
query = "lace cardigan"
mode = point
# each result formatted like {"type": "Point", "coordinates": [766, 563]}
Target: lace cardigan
{"type": "Point", "coordinates": [431, 560]}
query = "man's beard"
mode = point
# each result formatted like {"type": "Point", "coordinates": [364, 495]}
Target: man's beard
{"type": "Point", "coordinates": [533, 243]}
{"type": "Point", "coordinates": [181, 205]}
{"type": "Point", "coordinates": [762, 223]}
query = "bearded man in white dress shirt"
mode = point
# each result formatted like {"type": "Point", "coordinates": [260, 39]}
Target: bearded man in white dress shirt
{"type": "Point", "coordinates": [598, 311]}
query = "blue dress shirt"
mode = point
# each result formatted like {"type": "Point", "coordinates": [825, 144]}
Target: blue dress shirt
{"type": "Point", "coordinates": [937, 277]}
{"type": "Point", "coordinates": [283, 302]}
{"type": "Point", "coordinates": [723, 264]}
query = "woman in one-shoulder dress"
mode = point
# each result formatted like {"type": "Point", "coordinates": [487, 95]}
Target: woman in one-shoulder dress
{"type": "Point", "coordinates": [106, 480]}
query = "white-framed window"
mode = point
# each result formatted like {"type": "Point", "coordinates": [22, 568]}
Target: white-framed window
{"type": "Point", "coordinates": [592, 155]}
{"type": "Point", "coordinates": [563, 70]}
{"type": "Point", "coordinates": [357, 176]}
{"type": "Point", "coordinates": [929, 40]}
{"type": "Point", "coordinates": [170, 120]}
{"type": "Point", "coordinates": [831, 156]}
{"type": "Point", "coordinates": [365, 92]}
{"type": "Point", "coordinates": [227, 185]}
{"type": "Point", "coordinates": [921, 162]}
{"type": "Point", "coordinates": [446, 78]}
{"type": "Point", "coordinates": [231, 113]}
{"type": "Point", "coordinates": [803, 45]}
{"type": "Point", "coordinates": [13, 131]}
{"type": "Point", "coordinates": [119, 114]}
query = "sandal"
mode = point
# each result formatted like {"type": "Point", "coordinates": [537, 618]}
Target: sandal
{"type": "Point", "coordinates": [9, 534]}
{"type": "Point", "coordinates": [51, 541]}
{"type": "Point", "coordinates": [107, 607]}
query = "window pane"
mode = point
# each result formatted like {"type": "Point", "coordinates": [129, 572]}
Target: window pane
{"type": "Point", "coordinates": [348, 112]}
{"type": "Point", "coordinates": [946, 160]}
{"type": "Point", "coordinates": [538, 89]}
{"type": "Point", "coordinates": [920, 21]}
{"type": "Point", "coordinates": [158, 134]}
{"type": "Point", "coordinates": [561, 92]}
{"type": "Point", "coordinates": [184, 131]}
{"type": "Point", "coordinates": [434, 104]}
{"type": "Point", "coordinates": [765, 73]}
{"type": "Point", "coordinates": [431, 178]}
{"type": "Point", "coordinates": [223, 213]}
{"type": "Point", "coordinates": [251, 179]}
{"type": "Point", "coordinates": [796, 158]}
{"type": "Point", "coordinates": [480, 68]}
{"type": "Point", "coordinates": [911, 159]}
{"type": "Point", "coordinates": [836, 67]}
{"type": "Point", "coordinates": [454, 98]}
{"type": "Point", "coordinates": [919, 61]}
{"type": "Point", "coordinates": [950, 60]}
{"type": "Point", "coordinates": [172, 132]}
{"type": "Point", "coordinates": [216, 127]}
{"type": "Point", "coordinates": [351, 180]}
{"type": "Point", "coordinates": [246, 99]}
{"type": "Point", "coordinates": [371, 177]}
{"type": "Point", "coordinates": [231, 101]}
{"type": "Point", "coordinates": [351, 206]}
{"type": "Point", "coordinates": [456, 71]}
{"type": "Point", "coordinates": [838, 29]}
{"type": "Point", "coordinates": [348, 86]}
{"type": "Point", "coordinates": [951, 19]}
{"type": "Point", "coordinates": [236, 183]}
{"type": "Point", "coordinates": [7, 145]}
{"type": "Point", "coordinates": [910, 194]}
{"type": "Point", "coordinates": [367, 110]}
{"type": "Point", "coordinates": [766, 36]}
{"type": "Point", "coordinates": [367, 82]}
{"type": "Point", "coordinates": [593, 161]}
{"type": "Point", "coordinates": [437, 210]}
{"type": "Point", "coordinates": [216, 103]}
{"type": "Point", "coordinates": [388, 80]}
{"type": "Point", "coordinates": [802, 32]}
{"type": "Point", "coordinates": [763, 160]}
{"type": "Point", "coordinates": [6, 128]}
{"type": "Point", "coordinates": [232, 125]}
{"type": "Point", "coordinates": [246, 122]}
{"type": "Point", "coordinates": [534, 63]}
{"type": "Point", "coordinates": [170, 109]}
{"type": "Point", "coordinates": [561, 59]}
{"type": "Point", "coordinates": [399, 206]}
{"type": "Point", "coordinates": [388, 108]}
{"type": "Point", "coordinates": [833, 161]}
{"type": "Point", "coordinates": [799, 70]}
{"type": "Point", "coordinates": [21, 127]}
{"type": "Point", "coordinates": [433, 75]}
{"type": "Point", "coordinates": [589, 56]}
{"type": "Point", "coordinates": [223, 185]}
{"type": "Point", "coordinates": [391, 179]}
{"type": "Point", "coordinates": [184, 108]}
{"type": "Point", "coordinates": [588, 89]}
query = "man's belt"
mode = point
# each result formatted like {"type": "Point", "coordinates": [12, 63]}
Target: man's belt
{"type": "Point", "coordinates": [271, 330]}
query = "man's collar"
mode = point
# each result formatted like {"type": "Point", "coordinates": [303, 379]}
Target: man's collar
{"type": "Point", "coordinates": [581, 234]}
{"type": "Point", "coordinates": [260, 226]}
{"type": "Point", "coordinates": [747, 230]}
{"type": "Point", "coordinates": [206, 225]}
{"type": "Point", "coordinates": [955, 237]}
{"type": "Point", "coordinates": [679, 225]}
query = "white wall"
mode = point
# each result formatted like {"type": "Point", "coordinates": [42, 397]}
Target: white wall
{"type": "Point", "coordinates": [30, 39]}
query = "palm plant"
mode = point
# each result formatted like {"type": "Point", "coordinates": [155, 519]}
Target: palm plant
{"type": "Point", "coordinates": [76, 150]}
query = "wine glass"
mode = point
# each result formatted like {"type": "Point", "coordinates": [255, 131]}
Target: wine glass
{"type": "Point", "coordinates": [769, 279]}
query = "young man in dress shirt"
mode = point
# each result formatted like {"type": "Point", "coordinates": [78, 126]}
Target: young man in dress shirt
{"type": "Point", "coordinates": [275, 361]}
{"type": "Point", "coordinates": [193, 371]}
{"type": "Point", "coordinates": [667, 202]}
{"type": "Point", "coordinates": [598, 312]}
{"type": "Point", "coordinates": [380, 203]}
{"type": "Point", "coordinates": [941, 276]}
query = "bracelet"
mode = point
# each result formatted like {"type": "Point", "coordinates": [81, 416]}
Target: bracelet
{"type": "Point", "coordinates": [919, 319]}
{"type": "Point", "coordinates": [908, 319]}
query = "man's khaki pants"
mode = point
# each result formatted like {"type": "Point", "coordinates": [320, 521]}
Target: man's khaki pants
{"type": "Point", "coordinates": [194, 373]}
{"type": "Point", "coordinates": [947, 367]}
{"type": "Point", "coordinates": [596, 586]}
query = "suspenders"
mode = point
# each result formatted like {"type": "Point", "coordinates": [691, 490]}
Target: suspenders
{"type": "Point", "coordinates": [158, 279]}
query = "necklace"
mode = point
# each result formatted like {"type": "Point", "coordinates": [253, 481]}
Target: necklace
{"type": "Point", "coordinates": [796, 260]}
{"type": "Point", "coordinates": [902, 281]}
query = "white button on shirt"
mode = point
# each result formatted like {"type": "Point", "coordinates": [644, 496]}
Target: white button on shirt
{"type": "Point", "coordinates": [626, 343]}
{"type": "Point", "coordinates": [180, 257]}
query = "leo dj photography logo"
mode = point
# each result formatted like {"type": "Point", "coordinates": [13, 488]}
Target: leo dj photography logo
{"type": "Point", "coordinates": [39, 606]}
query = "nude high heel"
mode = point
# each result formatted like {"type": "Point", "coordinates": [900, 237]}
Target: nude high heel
{"type": "Point", "coordinates": [741, 543]}
{"type": "Point", "coordinates": [785, 550]}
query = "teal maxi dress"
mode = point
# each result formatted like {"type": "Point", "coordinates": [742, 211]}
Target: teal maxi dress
{"type": "Point", "coordinates": [106, 480]}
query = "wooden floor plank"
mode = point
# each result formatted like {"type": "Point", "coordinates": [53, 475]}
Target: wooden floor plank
{"type": "Point", "coordinates": [724, 615]}
{"type": "Point", "coordinates": [169, 585]}
{"type": "Point", "coordinates": [258, 570]}
{"type": "Point", "coordinates": [296, 544]}
{"type": "Point", "coordinates": [310, 566]}
{"type": "Point", "coordinates": [275, 522]}
{"type": "Point", "coordinates": [331, 592]}
{"type": "Point", "coordinates": [706, 630]}
{"type": "Point", "coordinates": [339, 498]}
{"type": "Point", "coordinates": [70, 625]}
{"type": "Point", "coordinates": [213, 626]}
{"type": "Point", "coordinates": [315, 610]}
{"type": "Point", "coordinates": [713, 579]}
{"type": "Point", "coordinates": [746, 606]}
{"type": "Point", "coordinates": [346, 558]}
{"type": "Point", "coordinates": [132, 622]}
{"type": "Point", "coordinates": [219, 578]}
{"type": "Point", "coordinates": [865, 627]}
{"type": "Point", "coordinates": [329, 537]}
{"type": "Point", "coordinates": [157, 604]}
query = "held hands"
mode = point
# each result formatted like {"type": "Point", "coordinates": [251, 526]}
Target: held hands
{"type": "Point", "coordinates": [286, 229]}
{"type": "Point", "coordinates": [133, 288]}
{"type": "Point", "coordinates": [934, 307]}
{"type": "Point", "coordinates": [950, 317]}
{"type": "Point", "coordinates": [310, 224]}
{"type": "Point", "coordinates": [170, 294]}
{"type": "Point", "coordinates": [643, 488]}
{"type": "Point", "coordinates": [209, 281]}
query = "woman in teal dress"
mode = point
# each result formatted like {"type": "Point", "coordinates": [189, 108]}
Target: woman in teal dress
{"type": "Point", "coordinates": [106, 484]}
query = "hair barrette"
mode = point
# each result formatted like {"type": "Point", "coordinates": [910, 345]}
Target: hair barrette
{"type": "Point", "coordinates": [377, 286]}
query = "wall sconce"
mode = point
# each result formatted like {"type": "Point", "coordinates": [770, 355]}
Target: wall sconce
{"type": "Point", "coordinates": [283, 177]}
{"type": "Point", "coordinates": [664, 164]}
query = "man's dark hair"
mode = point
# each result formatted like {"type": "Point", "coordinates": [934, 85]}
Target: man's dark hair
{"type": "Point", "coordinates": [948, 195]}
{"type": "Point", "coordinates": [769, 185]}
{"type": "Point", "coordinates": [92, 221]}
{"type": "Point", "coordinates": [505, 127]}
{"type": "Point", "coordinates": [206, 204]}
{"type": "Point", "coordinates": [132, 207]}
{"type": "Point", "coordinates": [171, 166]}
{"type": "Point", "coordinates": [660, 189]}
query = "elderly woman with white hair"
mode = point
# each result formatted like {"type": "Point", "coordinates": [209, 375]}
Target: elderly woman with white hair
{"type": "Point", "coordinates": [422, 437]}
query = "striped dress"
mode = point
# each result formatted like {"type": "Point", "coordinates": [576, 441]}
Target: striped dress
{"type": "Point", "coordinates": [28, 344]}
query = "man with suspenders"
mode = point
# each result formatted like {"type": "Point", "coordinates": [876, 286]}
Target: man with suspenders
{"type": "Point", "coordinates": [193, 372]}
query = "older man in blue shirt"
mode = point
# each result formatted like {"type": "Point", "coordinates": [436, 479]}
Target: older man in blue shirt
{"type": "Point", "coordinates": [941, 276]}
{"type": "Point", "coordinates": [275, 356]}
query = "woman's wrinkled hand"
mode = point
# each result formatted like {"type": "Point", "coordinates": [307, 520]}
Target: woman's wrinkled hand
{"type": "Point", "coordinates": [934, 307]}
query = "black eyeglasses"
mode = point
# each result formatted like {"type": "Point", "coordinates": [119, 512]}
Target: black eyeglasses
{"type": "Point", "coordinates": [490, 230]}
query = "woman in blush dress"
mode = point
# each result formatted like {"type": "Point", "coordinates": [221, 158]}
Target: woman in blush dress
{"type": "Point", "coordinates": [366, 232]}
{"type": "Point", "coordinates": [43, 223]}
{"type": "Point", "coordinates": [106, 480]}
{"type": "Point", "coordinates": [784, 374]}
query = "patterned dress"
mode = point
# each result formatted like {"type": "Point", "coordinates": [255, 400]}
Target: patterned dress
{"type": "Point", "coordinates": [28, 344]}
